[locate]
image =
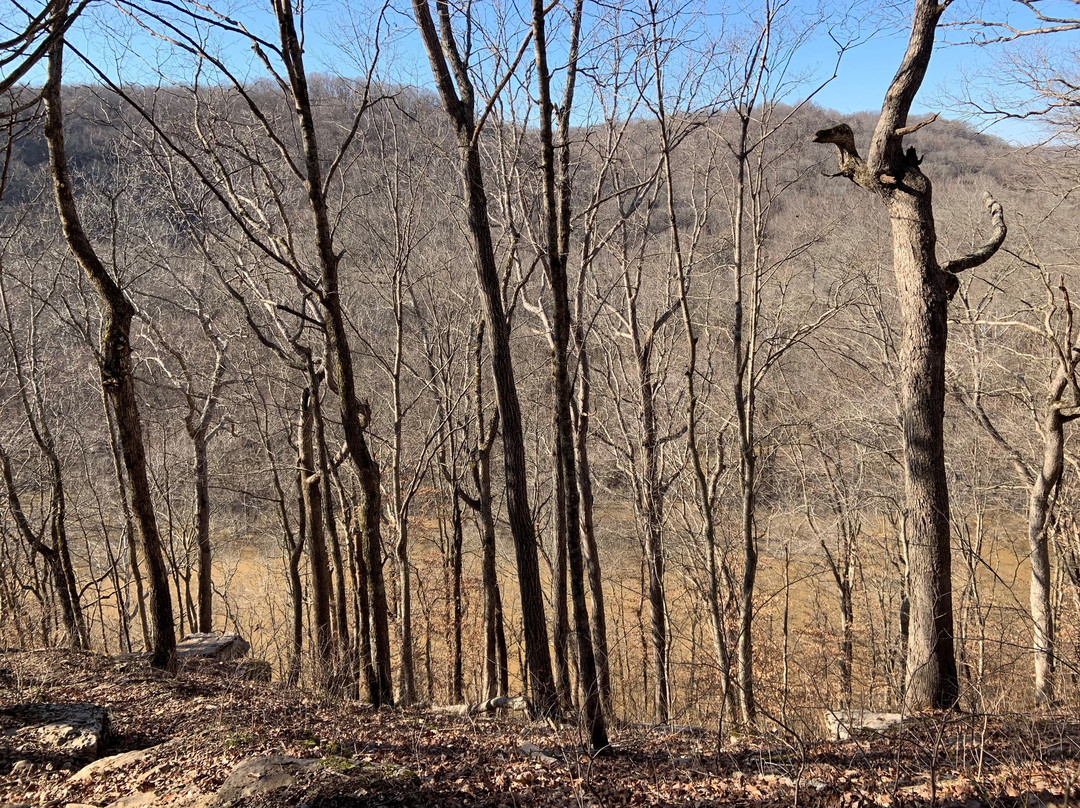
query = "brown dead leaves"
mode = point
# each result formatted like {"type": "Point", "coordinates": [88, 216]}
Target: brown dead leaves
{"type": "Point", "coordinates": [196, 729]}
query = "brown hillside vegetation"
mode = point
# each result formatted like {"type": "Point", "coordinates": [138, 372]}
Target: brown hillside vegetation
{"type": "Point", "coordinates": [197, 727]}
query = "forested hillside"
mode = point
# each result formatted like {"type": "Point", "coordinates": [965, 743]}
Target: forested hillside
{"type": "Point", "coordinates": [599, 382]}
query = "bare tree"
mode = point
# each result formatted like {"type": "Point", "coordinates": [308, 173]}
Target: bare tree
{"type": "Point", "coordinates": [202, 406]}
{"type": "Point", "coordinates": [925, 286]}
{"type": "Point", "coordinates": [557, 203]}
{"type": "Point", "coordinates": [28, 375]}
{"type": "Point", "coordinates": [116, 372]}
{"type": "Point", "coordinates": [450, 68]}
{"type": "Point", "coordinates": [1054, 328]}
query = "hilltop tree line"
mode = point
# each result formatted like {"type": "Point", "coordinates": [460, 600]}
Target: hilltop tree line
{"type": "Point", "coordinates": [583, 372]}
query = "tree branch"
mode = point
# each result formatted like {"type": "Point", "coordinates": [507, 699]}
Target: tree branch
{"type": "Point", "coordinates": [986, 252]}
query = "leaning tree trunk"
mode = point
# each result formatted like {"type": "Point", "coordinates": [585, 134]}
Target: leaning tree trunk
{"type": "Point", "coordinates": [115, 360]}
{"type": "Point", "coordinates": [924, 289]}
{"type": "Point", "coordinates": [1040, 503]}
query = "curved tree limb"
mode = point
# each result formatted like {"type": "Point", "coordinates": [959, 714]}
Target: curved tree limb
{"type": "Point", "coordinates": [986, 252]}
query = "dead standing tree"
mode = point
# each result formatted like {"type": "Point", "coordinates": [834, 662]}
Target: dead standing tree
{"type": "Point", "coordinates": [924, 289]}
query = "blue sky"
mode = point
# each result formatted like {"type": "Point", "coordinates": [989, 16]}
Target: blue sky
{"type": "Point", "coordinates": [863, 77]}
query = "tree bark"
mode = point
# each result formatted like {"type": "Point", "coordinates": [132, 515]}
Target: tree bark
{"type": "Point", "coordinates": [560, 631]}
{"type": "Point", "coordinates": [924, 289]}
{"type": "Point", "coordinates": [115, 360]}
{"type": "Point", "coordinates": [311, 488]}
{"type": "Point", "coordinates": [494, 662]}
{"type": "Point", "coordinates": [201, 469]}
{"type": "Point", "coordinates": [557, 200]}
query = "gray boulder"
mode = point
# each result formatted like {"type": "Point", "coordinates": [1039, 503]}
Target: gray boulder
{"type": "Point", "coordinates": [278, 780]}
{"type": "Point", "coordinates": [261, 775]}
{"type": "Point", "coordinates": [109, 765]}
{"type": "Point", "coordinates": [841, 725]}
{"type": "Point", "coordinates": [220, 647]}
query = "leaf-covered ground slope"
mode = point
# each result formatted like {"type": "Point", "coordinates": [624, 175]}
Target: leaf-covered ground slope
{"type": "Point", "coordinates": [197, 727]}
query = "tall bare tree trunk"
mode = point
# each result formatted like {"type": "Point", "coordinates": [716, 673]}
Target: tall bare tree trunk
{"type": "Point", "coordinates": [494, 657]}
{"type": "Point", "coordinates": [557, 199]}
{"type": "Point", "coordinates": [459, 106]}
{"type": "Point", "coordinates": [354, 414]}
{"type": "Point", "coordinates": [924, 289]}
{"type": "Point", "coordinates": [311, 488]}
{"type": "Point", "coordinates": [560, 631]}
{"type": "Point", "coordinates": [296, 586]}
{"type": "Point", "coordinates": [333, 542]}
{"type": "Point", "coordinates": [597, 615]}
{"type": "Point", "coordinates": [115, 359]}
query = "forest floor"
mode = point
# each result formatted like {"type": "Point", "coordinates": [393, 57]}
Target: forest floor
{"type": "Point", "coordinates": [196, 727]}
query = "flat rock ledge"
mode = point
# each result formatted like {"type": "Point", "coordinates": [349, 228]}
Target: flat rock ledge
{"type": "Point", "coordinates": [219, 647]}
{"type": "Point", "coordinates": [75, 729]}
{"type": "Point", "coordinates": [107, 766]}
{"type": "Point", "coordinates": [270, 780]}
